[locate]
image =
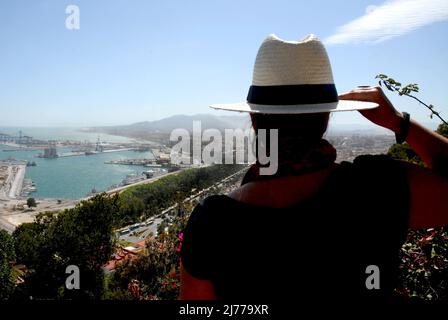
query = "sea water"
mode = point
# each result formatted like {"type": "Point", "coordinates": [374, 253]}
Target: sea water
{"type": "Point", "coordinates": [74, 177]}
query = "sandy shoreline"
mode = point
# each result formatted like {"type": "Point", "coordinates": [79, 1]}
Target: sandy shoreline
{"type": "Point", "coordinates": [14, 212]}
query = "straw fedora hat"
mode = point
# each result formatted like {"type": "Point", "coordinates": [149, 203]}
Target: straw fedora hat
{"type": "Point", "coordinates": [293, 77]}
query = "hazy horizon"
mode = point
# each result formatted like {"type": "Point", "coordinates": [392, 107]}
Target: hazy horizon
{"type": "Point", "coordinates": [333, 125]}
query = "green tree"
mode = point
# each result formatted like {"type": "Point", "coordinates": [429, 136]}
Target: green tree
{"type": "Point", "coordinates": [404, 152]}
{"type": "Point", "coordinates": [443, 129]}
{"type": "Point", "coordinates": [165, 192]}
{"type": "Point", "coordinates": [31, 202]}
{"type": "Point", "coordinates": [7, 255]}
{"type": "Point", "coordinates": [82, 236]}
{"type": "Point", "coordinates": [30, 238]}
{"type": "Point", "coordinates": [131, 208]}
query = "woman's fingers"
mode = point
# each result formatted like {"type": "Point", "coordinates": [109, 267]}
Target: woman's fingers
{"type": "Point", "coordinates": [385, 115]}
{"type": "Point", "coordinates": [361, 93]}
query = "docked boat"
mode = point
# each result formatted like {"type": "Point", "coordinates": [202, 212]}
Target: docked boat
{"type": "Point", "coordinates": [31, 164]}
{"type": "Point", "coordinates": [148, 173]}
{"type": "Point", "coordinates": [28, 187]}
{"type": "Point", "coordinates": [133, 178]}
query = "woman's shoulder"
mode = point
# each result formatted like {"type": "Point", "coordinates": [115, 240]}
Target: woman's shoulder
{"type": "Point", "coordinates": [373, 179]}
{"type": "Point", "coordinates": [210, 207]}
{"type": "Point", "coordinates": [371, 169]}
{"type": "Point", "coordinates": [378, 165]}
{"type": "Point", "coordinates": [205, 216]}
{"type": "Point", "coordinates": [214, 201]}
{"type": "Point", "coordinates": [374, 159]}
{"type": "Point", "coordinates": [282, 191]}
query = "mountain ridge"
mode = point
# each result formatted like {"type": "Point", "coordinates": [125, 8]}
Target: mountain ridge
{"type": "Point", "coordinates": [166, 125]}
{"type": "Point", "coordinates": [162, 128]}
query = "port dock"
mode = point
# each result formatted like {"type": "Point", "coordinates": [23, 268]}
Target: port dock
{"type": "Point", "coordinates": [12, 175]}
{"type": "Point", "coordinates": [151, 163]}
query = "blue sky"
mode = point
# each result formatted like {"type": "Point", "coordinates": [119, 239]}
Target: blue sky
{"type": "Point", "coordinates": [141, 60]}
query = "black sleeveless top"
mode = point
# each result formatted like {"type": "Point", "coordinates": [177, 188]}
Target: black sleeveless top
{"type": "Point", "coordinates": [317, 250]}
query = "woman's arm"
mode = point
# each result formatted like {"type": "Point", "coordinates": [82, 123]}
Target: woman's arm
{"type": "Point", "coordinates": [428, 198]}
{"type": "Point", "coordinates": [195, 289]}
{"type": "Point", "coordinates": [431, 147]}
{"type": "Point", "coordinates": [428, 189]}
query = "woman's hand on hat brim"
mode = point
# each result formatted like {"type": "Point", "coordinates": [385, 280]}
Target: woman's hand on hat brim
{"type": "Point", "coordinates": [385, 115]}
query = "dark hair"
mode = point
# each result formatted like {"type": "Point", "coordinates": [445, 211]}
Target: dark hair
{"type": "Point", "coordinates": [311, 126]}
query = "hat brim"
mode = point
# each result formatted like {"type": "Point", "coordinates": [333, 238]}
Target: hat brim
{"type": "Point", "coordinates": [341, 105]}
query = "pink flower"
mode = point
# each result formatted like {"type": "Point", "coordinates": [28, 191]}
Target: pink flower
{"type": "Point", "coordinates": [181, 238]}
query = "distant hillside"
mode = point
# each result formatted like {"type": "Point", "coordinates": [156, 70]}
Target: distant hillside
{"type": "Point", "coordinates": [159, 130]}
